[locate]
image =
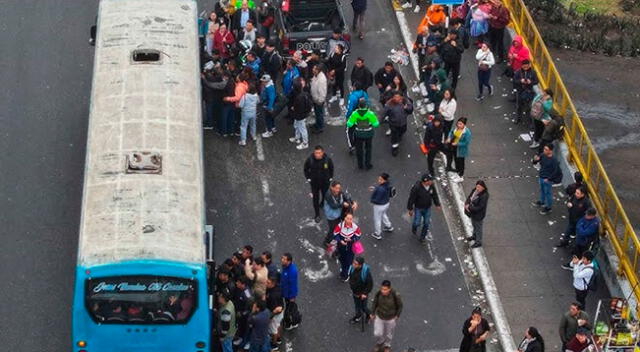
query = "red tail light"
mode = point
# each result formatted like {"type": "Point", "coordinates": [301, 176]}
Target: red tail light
{"type": "Point", "coordinates": [285, 6]}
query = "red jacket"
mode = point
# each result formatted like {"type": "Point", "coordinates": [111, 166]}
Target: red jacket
{"type": "Point", "coordinates": [501, 17]}
{"type": "Point", "coordinates": [518, 53]}
{"type": "Point", "coordinates": [220, 42]}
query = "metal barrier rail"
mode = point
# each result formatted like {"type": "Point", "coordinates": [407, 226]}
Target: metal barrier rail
{"type": "Point", "coordinates": [615, 222]}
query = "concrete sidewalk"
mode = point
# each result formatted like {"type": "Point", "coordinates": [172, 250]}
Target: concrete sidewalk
{"type": "Point", "coordinates": [518, 242]}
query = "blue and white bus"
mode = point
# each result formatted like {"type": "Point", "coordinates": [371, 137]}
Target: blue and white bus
{"type": "Point", "coordinates": [141, 282]}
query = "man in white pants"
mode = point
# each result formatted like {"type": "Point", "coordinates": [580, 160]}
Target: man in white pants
{"type": "Point", "coordinates": [386, 310]}
{"type": "Point", "coordinates": [380, 197]}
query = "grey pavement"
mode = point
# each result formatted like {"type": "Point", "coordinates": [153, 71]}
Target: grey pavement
{"type": "Point", "coordinates": [519, 242]}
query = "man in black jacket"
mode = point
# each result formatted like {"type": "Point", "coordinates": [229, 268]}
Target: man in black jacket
{"type": "Point", "coordinates": [397, 109]}
{"type": "Point", "coordinates": [213, 84]}
{"type": "Point", "coordinates": [451, 52]}
{"type": "Point", "coordinates": [433, 136]}
{"type": "Point", "coordinates": [361, 283]}
{"type": "Point", "coordinates": [577, 206]}
{"type": "Point", "coordinates": [318, 170]}
{"type": "Point", "coordinates": [422, 195]}
{"type": "Point", "coordinates": [361, 74]}
{"type": "Point", "coordinates": [272, 61]}
{"type": "Point", "coordinates": [241, 17]}
{"type": "Point", "coordinates": [524, 80]}
{"type": "Point", "coordinates": [384, 76]}
{"type": "Point", "coordinates": [475, 207]}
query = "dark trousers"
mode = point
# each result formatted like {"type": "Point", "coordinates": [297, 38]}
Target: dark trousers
{"type": "Point", "coordinates": [339, 85]}
{"type": "Point", "coordinates": [351, 139]}
{"type": "Point", "coordinates": [396, 135]}
{"type": "Point", "coordinates": [483, 80]}
{"type": "Point", "coordinates": [581, 297]}
{"type": "Point", "coordinates": [523, 107]}
{"type": "Point", "coordinates": [269, 120]}
{"type": "Point", "coordinates": [363, 152]}
{"type": "Point", "coordinates": [228, 119]}
{"type": "Point", "coordinates": [360, 306]}
{"type": "Point", "coordinates": [446, 127]}
{"type": "Point", "coordinates": [430, 157]}
{"type": "Point", "coordinates": [452, 157]}
{"type": "Point", "coordinates": [538, 128]}
{"type": "Point", "coordinates": [345, 255]}
{"type": "Point", "coordinates": [453, 68]}
{"type": "Point", "coordinates": [496, 40]}
{"type": "Point", "coordinates": [332, 225]}
{"type": "Point", "coordinates": [318, 190]}
{"type": "Point", "coordinates": [318, 110]}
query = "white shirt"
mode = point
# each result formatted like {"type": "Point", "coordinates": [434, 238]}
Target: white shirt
{"type": "Point", "coordinates": [582, 275]}
{"type": "Point", "coordinates": [448, 109]}
{"type": "Point", "coordinates": [485, 58]}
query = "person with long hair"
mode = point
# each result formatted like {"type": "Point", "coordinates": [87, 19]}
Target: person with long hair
{"type": "Point", "coordinates": [458, 147]}
{"type": "Point", "coordinates": [447, 110]}
{"type": "Point", "coordinates": [475, 331]}
{"type": "Point", "coordinates": [485, 59]}
{"type": "Point", "coordinates": [396, 85]}
{"type": "Point", "coordinates": [345, 234]}
{"type": "Point", "coordinates": [532, 341]}
{"type": "Point", "coordinates": [475, 207]}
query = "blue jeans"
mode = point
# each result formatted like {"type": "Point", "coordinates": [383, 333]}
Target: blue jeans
{"type": "Point", "coordinates": [227, 344]}
{"type": "Point", "coordinates": [318, 109]}
{"type": "Point", "coordinates": [228, 119]}
{"type": "Point", "coordinates": [546, 195]}
{"type": "Point", "coordinates": [424, 216]}
{"type": "Point", "coordinates": [269, 120]}
{"type": "Point", "coordinates": [300, 127]}
{"type": "Point", "coordinates": [265, 347]}
{"type": "Point", "coordinates": [250, 122]}
{"type": "Point", "coordinates": [345, 255]}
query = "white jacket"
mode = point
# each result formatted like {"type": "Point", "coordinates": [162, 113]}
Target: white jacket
{"type": "Point", "coordinates": [319, 88]}
{"type": "Point", "coordinates": [582, 275]}
{"type": "Point", "coordinates": [448, 109]}
{"type": "Point", "coordinates": [485, 58]}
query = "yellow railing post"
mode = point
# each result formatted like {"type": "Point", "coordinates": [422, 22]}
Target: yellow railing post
{"type": "Point", "coordinates": [605, 199]}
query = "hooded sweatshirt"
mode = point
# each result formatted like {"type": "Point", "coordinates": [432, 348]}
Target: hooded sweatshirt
{"type": "Point", "coordinates": [249, 105]}
{"type": "Point", "coordinates": [268, 96]}
{"type": "Point", "coordinates": [520, 53]}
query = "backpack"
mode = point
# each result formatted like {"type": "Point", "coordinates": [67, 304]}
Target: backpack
{"type": "Point", "coordinates": [363, 272]}
{"type": "Point", "coordinates": [537, 109]}
{"type": "Point", "coordinates": [594, 281]}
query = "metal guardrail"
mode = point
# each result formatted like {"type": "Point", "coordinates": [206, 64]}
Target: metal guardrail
{"type": "Point", "coordinates": [615, 222]}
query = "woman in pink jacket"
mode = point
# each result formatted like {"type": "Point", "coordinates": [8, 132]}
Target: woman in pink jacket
{"type": "Point", "coordinates": [518, 52]}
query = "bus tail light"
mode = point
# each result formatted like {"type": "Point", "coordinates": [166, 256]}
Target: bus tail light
{"type": "Point", "coordinates": [200, 344]}
{"type": "Point", "coordinates": [82, 343]}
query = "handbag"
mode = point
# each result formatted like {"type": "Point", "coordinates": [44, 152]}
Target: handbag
{"type": "Point", "coordinates": [357, 248]}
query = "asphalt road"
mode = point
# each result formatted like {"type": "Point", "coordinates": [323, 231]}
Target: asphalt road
{"type": "Point", "coordinates": [46, 71]}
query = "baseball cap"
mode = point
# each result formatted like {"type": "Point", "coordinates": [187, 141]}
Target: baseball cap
{"type": "Point", "coordinates": [426, 177]}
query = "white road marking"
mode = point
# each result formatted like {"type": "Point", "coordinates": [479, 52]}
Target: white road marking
{"type": "Point", "coordinates": [323, 272]}
{"type": "Point", "coordinates": [265, 191]}
{"type": "Point", "coordinates": [259, 148]}
{"type": "Point", "coordinates": [308, 222]}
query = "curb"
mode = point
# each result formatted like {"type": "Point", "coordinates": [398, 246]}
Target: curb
{"type": "Point", "coordinates": [479, 258]}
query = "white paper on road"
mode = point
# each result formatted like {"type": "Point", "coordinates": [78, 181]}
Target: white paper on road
{"type": "Point", "coordinates": [525, 137]}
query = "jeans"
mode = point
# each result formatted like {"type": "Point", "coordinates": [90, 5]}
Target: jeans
{"type": "Point", "coordinates": [477, 230]}
{"type": "Point", "coordinates": [227, 344]}
{"type": "Point", "coordinates": [269, 120]}
{"type": "Point", "coordinates": [318, 110]}
{"type": "Point", "coordinates": [421, 215]}
{"type": "Point", "coordinates": [454, 69]}
{"type": "Point", "coordinates": [318, 190]}
{"type": "Point", "coordinates": [546, 196]}
{"type": "Point", "coordinates": [210, 108]}
{"type": "Point", "coordinates": [361, 306]}
{"type": "Point", "coordinates": [247, 121]}
{"type": "Point", "coordinates": [380, 217]}
{"type": "Point", "coordinates": [363, 152]}
{"type": "Point", "coordinates": [264, 347]}
{"type": "Point", "coordinates": [228, 119]}
{"type": "Point", "coordinates": [483, 81]}
{"type": "Point", "coordinates": [300, 126]}
{"type": "Point", "coordinates": [358, 22]}
{"type": "Point", "coordinates": [383, 331]}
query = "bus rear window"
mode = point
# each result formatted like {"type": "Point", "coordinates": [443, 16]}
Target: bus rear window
{"type": "Point", "coordinates": [140, 299]}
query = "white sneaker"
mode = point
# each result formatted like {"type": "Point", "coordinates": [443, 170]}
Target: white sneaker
{"type": "Point", "coordinates": [417, 9]}
{"type": "Point", "coordinates": [377, 236]}
{"type": "Point", "coordinates": [388, 133]}
{"type": "Point", "coordinates": [302, 146]}
{"type": "Point", "coordinates": [341, 102]}
{"type": "Point", "coordinates": [333, 99]}
{"type": "Point", "coordinates": [294, 140]}
{"type": "Point", "coordinates": [406, 5]}
{"type": "Point", "coordinates": [242, 143]}
{"type": "Point", "coordinates": [267, 134]}
{"type": "Point", "coordinates": [534, 145]}
{"type": "Point", "coordinates": [457, 179]}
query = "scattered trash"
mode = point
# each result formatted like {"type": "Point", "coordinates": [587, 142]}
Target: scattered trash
{"type": "Point", "coordinates": [399, 56]}
{"type": "Point", "coordinates": [525, 137]}
{"type": "Point", "coordinates": [497, 107]}
{"type": "Point", "coordinates": [551, 222]}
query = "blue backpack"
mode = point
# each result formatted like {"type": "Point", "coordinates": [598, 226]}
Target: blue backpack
{"type": "Point", "coordinates": [363, 272]}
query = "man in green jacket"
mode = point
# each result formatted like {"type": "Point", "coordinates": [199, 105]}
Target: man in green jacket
{"type": "Point", "coordinates": [364, 121]}
{"type": "Point", "coordinates": [571, 321]}
{"type": "Point", "coordinates": [227, 322]}
{"type": "Point", "coordinates": [386, 310]}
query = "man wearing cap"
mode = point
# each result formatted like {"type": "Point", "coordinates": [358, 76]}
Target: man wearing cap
{"type": "Point", "coordinates": [451, 52]}
{"type": "Point", "coordinates": [364, 121]}
{"type": "Point", "coordinates": [268, 99]}
{"type": "Point", "coordinates": [583, 270]}
{"type": "Point", "coordinates": [422, 195]}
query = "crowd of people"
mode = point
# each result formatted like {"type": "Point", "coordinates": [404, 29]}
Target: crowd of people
{"type": "Point", "coordinates": [244, 77]}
